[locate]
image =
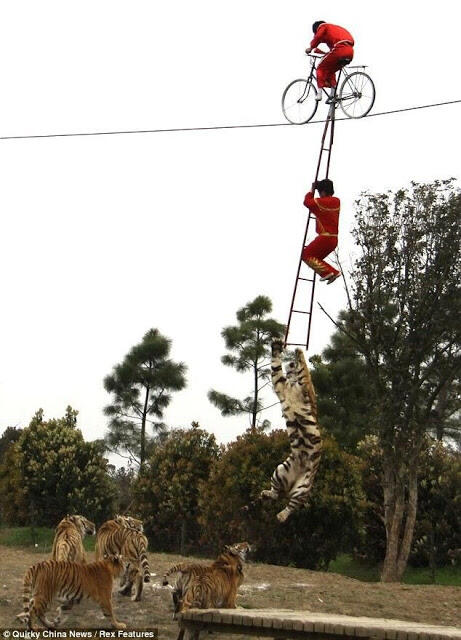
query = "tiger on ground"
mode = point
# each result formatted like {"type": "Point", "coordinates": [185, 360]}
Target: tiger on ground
{"type": "Point", "coordinates": [294, 477]}
{"type": "Point", "coordinates": [209, 586]}
{"type": "Point", "coordinates": [68, 539]}
{"type": "Point", "coordinates": [120, 537]}
{"type": "Point", "coordinates": [69, 582]}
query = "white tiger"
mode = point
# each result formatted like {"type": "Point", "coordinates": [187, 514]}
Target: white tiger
{"type": "Point", "coordinates": [294, 477]}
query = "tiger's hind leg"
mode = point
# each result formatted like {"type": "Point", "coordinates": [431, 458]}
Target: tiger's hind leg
{"type": "Point", "coordinates": [138, 586]}
{"type": "Point", "coordinates": [126, 583]}
{"type": "Point", "coordinates": [106, 606]}
{"type": "Point", "coordinates": [299, 495]}
{"type": "Point", "coordinates": [66, 606]}
{"type": "Point", "coordinates": [38, 609]}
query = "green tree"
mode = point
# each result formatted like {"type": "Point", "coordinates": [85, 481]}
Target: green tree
{"type": "Point", "coordinates": [438, 527]}
{"type": "Point", "coordinates": [404, 319]}
{"type": "Point", "coordinates": [141, 386]}
{"type": "Point", "coordinates": [14, 508]}
{"type": "Point", "coordinates": [167, 491]}
{"type": "Point", "coordinates": [58, 472]}
{"type": "Point", "coordinates": [344, 395]}
{"type": "Point", "coordinates": [249, 344]}
{"type": "Point", "coordinates": [314, 535]}
{"type": "Point", "coordinates": [124, 479]}
{"type": "Point", "coordinates": [8, 437]}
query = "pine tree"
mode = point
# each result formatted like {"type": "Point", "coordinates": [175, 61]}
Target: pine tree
{"type": "Point", "coordinates": [250, 345]}
{"type": "Point", "coordinates": [141, 386]}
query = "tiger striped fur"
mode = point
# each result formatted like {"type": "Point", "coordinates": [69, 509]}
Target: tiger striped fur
{"type": "Point", "coordinates": [69, 582]}
{"type": "Point", "coordinates": [201, 583]}
{"type": "Point", "coordinates": [68, 539]}
{"type": "Point", "coordinates": [113, 539]}
{"type": "Point", "coordinates": [294, 477]}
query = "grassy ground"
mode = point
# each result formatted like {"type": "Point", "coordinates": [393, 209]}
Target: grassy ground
{"type": "Point", "coordinates": [40, 539]}
{"type": "Point", "coordinates": [346, 566]}
{"type": "Point", "coordinates": [265, 586]}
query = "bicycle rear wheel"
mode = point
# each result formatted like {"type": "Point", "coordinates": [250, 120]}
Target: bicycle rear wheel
{"type": "Point", "coordinates": [298, 102]}
{"type": "Point", "coordinates": [357, 95]}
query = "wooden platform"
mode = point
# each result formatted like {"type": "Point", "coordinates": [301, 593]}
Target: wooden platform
{"type": "Point", "coordinates": [284, 623]}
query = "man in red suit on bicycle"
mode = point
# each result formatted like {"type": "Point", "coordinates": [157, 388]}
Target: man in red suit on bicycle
{"type": "Point", "coordinates": [341, 45]}
{"type": "Point", "coordinates": [326, 211]}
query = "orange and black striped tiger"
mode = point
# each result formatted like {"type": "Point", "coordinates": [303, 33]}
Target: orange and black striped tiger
{"type": "Point", "coordinates": [69, 582]}
{"type": "Point", "coordinates": [114, 538]}
{"type": "Point", "coordinates": [68, 539]}
{"type": "Point", "coordinates": [209, 586]}
{"type": "Point", "coordinates": [294, 477]}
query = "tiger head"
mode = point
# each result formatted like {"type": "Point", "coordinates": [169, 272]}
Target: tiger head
{"type": "Point", "coordinates": [84, 526]}
{"type": "Point", "coordinates": [239, 549]}
{"type": "Point", "coordinates": [129, 523]}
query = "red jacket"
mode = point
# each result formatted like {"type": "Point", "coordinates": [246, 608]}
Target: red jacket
{"type": "Point", "coordinates": [326, 212]}
{"type": "Point", "coordinates": [330, 34]}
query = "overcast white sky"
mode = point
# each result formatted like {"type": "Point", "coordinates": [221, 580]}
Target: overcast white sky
{"type": "Point", "coordinates": [105, 237]}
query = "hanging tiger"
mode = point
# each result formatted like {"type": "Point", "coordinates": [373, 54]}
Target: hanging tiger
{"type": "Point", "coordinates": [69, 582]}
{"type": "Point", "coordinates": [295, 476]}
{"type": "Point", "coordinates": [115, 538]}
{"type": "Point", "coordinates": [209, 586]}
{"type": "Point", "coordinates": [68, 539]}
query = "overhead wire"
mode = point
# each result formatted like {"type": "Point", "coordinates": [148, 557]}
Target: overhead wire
{"type": "Point", "coordinates": [216, 127]}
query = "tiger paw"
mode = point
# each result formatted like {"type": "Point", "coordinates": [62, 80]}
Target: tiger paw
{"type": "Point", "coordinates": [282, 516]}
{"type": "Point", "coordinates": [277, 347]}
{"type": "Point", "coordinates": [119, 625]}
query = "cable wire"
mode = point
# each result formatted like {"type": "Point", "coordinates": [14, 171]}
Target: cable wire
{"type": "Point", "coordinates": [215, 128]}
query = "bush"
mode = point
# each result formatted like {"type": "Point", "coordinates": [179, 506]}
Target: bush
{"type": "Point", "coordinates": [167, 491]}
{"type": "Point", "coordinates": [55, 472]}
{"type": "Point", "coordinates": [313, 536]}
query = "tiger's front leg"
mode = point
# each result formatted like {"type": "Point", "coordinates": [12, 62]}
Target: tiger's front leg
{"type": "Point", "coordinates": [277, 374]}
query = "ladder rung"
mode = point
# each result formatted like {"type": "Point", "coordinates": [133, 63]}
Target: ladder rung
{"type": "Point", "coordinates": [308, 313]}
{"type": "Point", "coordinates": [307, 279]}
{"type": "Point", "coordinates": [295, 344]}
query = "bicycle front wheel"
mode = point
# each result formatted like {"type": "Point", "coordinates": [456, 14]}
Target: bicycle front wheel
{"type": "Point", "coordinates": [298, 102]}
{"type": "Point", "coordinates": [357, 95]}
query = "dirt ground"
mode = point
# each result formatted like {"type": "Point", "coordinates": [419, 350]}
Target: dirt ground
{"type": "Point", "coordinates": [265, 586]}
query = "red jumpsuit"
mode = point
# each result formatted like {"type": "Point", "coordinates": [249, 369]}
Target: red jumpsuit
{"type": "Point", "coordinates": [326, 212]}
{"type": "Point", "coordinates": [341, 44]}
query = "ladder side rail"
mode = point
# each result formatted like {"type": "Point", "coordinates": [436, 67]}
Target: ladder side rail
{"type": "Point", "coordinates": [297, 279]}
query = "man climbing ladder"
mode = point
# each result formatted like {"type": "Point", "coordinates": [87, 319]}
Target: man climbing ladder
{"type": "Point", "coordinates": [341, 45]}
{"type": "Point", "coordinates": [326, 211]}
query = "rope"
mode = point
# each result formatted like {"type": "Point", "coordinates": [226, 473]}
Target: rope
{"type": "Point", "coordinates": [214, 128]}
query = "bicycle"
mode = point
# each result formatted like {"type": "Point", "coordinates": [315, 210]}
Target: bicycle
{"type": "Point", "coordinates": [356, 94]}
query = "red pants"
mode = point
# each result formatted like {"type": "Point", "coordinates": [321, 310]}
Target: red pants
{"type": "Point", "coordinates": [331, 63]}
{"type": "Point", "coordinates": [318, 249]}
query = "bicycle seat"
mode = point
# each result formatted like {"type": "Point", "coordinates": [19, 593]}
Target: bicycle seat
{"type": "Point", "coordinates": [344, 61]}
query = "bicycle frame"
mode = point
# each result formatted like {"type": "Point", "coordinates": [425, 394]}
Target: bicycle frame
{"type": "Point", "coordinates": [311, 78]}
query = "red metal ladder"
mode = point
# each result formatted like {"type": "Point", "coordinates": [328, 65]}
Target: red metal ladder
{"type": "Point", "coordinates": [311, 275]}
